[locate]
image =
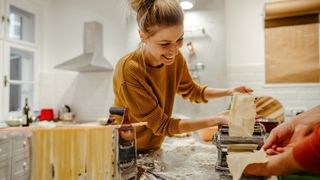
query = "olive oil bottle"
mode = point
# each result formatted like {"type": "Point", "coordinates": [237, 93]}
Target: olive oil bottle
{"type": "Point", "coordinates": [25, 114]}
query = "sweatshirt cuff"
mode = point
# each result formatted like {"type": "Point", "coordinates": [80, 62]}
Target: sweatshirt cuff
{"type": "Point", "coordinates": [174, 127]}
{"type": "Point", "coordinates": [202, 95]}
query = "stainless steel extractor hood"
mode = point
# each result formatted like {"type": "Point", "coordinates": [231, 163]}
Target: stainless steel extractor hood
{"type": "Point", "coordinates": [92, 59]}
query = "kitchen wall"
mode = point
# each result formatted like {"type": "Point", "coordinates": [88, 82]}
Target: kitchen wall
{"type": "Point", "coordinates": [232, 51]}
{"type": "Point", "coordinates": [89, 94]}
{"type": "Point", "coordinates": [209, 50]}
{"type": "Point", "coordinates": [245, 57]}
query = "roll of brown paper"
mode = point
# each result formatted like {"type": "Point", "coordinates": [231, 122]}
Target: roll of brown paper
{"type": "Point", "coordinates": [290, 8]}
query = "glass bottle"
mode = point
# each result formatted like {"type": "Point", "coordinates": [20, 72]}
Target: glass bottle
{"type": "Point", "coordinates": [127, 151]}
{"type": "Point", "coordinates": [25, 115]}
{"type": "Point", "coordinates": [125, 117]}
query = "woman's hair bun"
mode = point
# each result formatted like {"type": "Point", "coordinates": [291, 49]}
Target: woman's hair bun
{"type": "Point", "coordinates": [138, 4]}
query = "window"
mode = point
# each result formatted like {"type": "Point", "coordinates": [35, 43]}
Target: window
{"type": "Point", "coordinates": [21, 78]}
{"type": "Point", "coordinates": [18, 58]}
{"type": "Point", "coordinates": [22, 25]}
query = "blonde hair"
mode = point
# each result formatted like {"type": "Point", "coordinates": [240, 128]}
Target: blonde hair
{"type": "Point", "coordinates": [155, 14]}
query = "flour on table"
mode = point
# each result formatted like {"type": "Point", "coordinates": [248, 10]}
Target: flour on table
{"type": "Point", "coordinates": [181, 158]}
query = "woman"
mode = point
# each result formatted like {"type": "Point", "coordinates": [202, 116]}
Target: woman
{"type": "Point", "coordinates": [147, 80]}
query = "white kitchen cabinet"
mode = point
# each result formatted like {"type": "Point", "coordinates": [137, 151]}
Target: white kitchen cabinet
{"type": "Point", "coordinates": [19, 47]}
{"type": "Point", "coordinates": [15, 155]}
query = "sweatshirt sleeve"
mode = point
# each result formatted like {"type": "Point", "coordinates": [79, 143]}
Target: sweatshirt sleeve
{"type": "Point", "coordinates": [188, 88]}
{"type": "Point", "coordinates": [307, 153]}
{"type": "Point", "coordinates": [144, 108]}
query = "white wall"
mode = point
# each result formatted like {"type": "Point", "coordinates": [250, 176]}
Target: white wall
{"type": "Point", "coordinates": [210, 50]}
{"type": "Point", "coordinates": [89, 94]}
{"type": "Point", "coordinates": [245, 57]}
{"type": "Point", "coordinates": [232, 51]}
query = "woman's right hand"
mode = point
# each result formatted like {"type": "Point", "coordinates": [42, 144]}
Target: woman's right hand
{"type": "Point", "coordinates": [240, 89]}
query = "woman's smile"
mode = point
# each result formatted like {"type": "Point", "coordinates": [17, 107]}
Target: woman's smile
{"type": "Point", "coordinates": [168, 58]}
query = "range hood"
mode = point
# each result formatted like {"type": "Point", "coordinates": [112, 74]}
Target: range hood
{"type": "Point", "coordinates": [92, 59]}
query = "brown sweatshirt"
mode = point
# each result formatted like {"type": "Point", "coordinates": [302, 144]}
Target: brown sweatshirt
{"type": "Point", "coordinates": [149, 93]}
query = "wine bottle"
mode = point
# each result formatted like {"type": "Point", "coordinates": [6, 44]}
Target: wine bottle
{"type": "Point", "coordinates": [25, 115]}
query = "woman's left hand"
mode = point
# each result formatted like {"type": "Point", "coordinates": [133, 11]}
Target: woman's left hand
{"type": "Point", "coordinates": [240, 89]}
{"type": "Point", "coordinates": [224, 117]}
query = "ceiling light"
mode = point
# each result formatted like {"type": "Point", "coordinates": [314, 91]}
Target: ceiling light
{"type": "Point", "coordinates": [187, 4]}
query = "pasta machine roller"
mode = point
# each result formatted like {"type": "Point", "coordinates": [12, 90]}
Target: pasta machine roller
{"type": "Point", "coordinates": [225, 143]}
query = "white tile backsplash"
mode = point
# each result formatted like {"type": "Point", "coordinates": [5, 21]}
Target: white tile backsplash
{"type": "Point", "coordinates": [300, 96]}
{"type": "Point", "coordinates": [88, 94]}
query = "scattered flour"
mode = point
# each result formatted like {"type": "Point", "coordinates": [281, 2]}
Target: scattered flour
{"type": "Point", "coordinates": [180, 158]}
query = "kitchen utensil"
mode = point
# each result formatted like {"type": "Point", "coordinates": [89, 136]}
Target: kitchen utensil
{"type": "Point", "coordinates": [13, 122]}
{"type": "Point", "coordinates": [206, 134]}
{"type": "Point", "coordinates": [65, 113]}
{"type": "Point", "coordinates": [69, 116]}
{"type": "Point", "coordinates": [46, 114]}
{"type": "Point", "coordinates": [223, 141]}
{"type": "Point", "coordinates": [269, 108]}
{"type": "Point", "coordinates": [269, 124]}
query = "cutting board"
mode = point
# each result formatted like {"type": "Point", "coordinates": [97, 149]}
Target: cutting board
{"type": "Point", "coordinates": [270, 108]}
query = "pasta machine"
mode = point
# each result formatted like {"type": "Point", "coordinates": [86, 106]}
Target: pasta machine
{"type": "Point", "coordinates": [226, 143]}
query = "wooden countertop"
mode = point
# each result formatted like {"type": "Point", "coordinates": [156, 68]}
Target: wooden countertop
{"type": "Point", "coordinates": [62, 124]}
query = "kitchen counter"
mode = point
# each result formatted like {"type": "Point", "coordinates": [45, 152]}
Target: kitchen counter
{"type": "Point", "coordinates": [179, 158]}
{"type": "Point", "coordinates": [61, 124]}
{"type": "Point", "coordinates": [183, 158]}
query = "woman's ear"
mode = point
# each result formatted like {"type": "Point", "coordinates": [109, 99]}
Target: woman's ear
{"type": "Point", "coordinates": [142, 36]}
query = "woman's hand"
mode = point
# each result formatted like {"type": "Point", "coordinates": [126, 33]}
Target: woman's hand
{"type": "Point", "coordinates": [240, 89]}
{"type": "Point", "coordinates": [224, 117]}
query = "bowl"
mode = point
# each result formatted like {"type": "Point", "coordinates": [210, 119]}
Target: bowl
{"type": "Point", "coordinates": [13, 122]}
{"type": "Point", "coordinates": [268, 124]}
{"type": "Point", "coordinates": [102, 121]}
{"type": "Point", "coordinates": [207, 133]}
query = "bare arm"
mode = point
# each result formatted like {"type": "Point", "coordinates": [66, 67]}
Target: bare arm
{"type": "Point", "coordinates": [187, 125]}
{"type": "Point", "coordinates": [281, 164]}
{"type": "Point", "coordinates": [310, 117]}
{"type": "Point", "coordinates": [210, 93]}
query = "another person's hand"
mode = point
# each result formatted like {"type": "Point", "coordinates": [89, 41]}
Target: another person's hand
{"type": "Point", "coordinates": [285, 136]}
{"type": "Point", "coordinates": [240, 89]}
{"type": "Point", "coordinates": [279, 164]}
{"type": "Point", "coordinates": [281, 142]}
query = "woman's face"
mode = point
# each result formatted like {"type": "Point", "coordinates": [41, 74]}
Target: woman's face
{"type": "Point", "coordinates": [163, 46]}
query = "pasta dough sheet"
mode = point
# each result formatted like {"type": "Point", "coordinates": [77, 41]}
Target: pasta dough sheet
{"type": "Point", "coordinates": [242, 115]}
{"type": "Point", "coordinates": [239, 160]}
{"type": "Point", "coordinates": [73, 152]}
